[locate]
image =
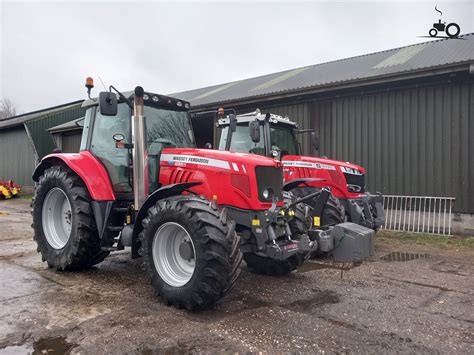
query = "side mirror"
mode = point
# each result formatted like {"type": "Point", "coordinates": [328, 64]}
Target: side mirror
{"type": "Point", "coordinates": [232, 122]}
{"type": "Point", "coordinates": [107, 104]}
{"type": "Point", "coordinates": [254, 131]}
{"type": "Point", "coordinates": [315, 140]}
{"type": "Point", "coordinates": [118, 137]}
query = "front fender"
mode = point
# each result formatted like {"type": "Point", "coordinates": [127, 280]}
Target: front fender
{"type": "Point", "coordinates": [290, 185]}
{"type": "Point", "coordinates": [87, 167]}
{"type": "Point", "coordinates": [161, 193]}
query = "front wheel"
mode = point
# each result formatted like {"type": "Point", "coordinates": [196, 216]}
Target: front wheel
{"type": "Point", "coordinates": [333, 212]}
{"type": "Point", "coordinates": [433, 32]}
{"type": "Point", "coordinates": [191, 251]}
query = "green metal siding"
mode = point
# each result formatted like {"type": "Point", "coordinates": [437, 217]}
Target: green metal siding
{"type": "Point", "coordinates": [17, 159]}
{"type": "Point", "coordinates": [42, 139]}
{"type": "Point", "coordinates": [70, 143]}
{"type": "Point", "coordinates": [412, 141]}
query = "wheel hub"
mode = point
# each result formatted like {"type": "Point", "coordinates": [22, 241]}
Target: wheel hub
{"type": "Point", "coordinates": [173, 253]}
{"type": "Point", "coordinates": [57, 218]}
{"type": "Point", "coordinates": [186, 250]}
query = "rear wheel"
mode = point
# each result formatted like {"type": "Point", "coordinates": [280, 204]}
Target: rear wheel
{"type": "Point", "coordinates": [453, 30]}
{"type": "Point", "coordinates": [63, 222]}
{"type": "Point", "coordinates": [191, 251]}
{"type": "Point", "coordinates": [263, 265]}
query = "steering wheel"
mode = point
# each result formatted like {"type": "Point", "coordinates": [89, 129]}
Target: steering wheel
{"type": "Point", "coordinates": [257, 150]}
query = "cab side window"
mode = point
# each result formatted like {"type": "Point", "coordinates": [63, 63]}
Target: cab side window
{"type": "Point", "coordinates": [103, 146]}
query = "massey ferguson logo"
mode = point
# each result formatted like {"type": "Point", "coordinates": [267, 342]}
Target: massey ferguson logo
{"type": "Point", "coordinates": [303, 164]}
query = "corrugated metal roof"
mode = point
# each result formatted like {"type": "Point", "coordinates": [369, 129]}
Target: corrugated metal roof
{"type": "Point", "coordinates": [20, 119]}
{"type": "Point", "coordinates": [78, 123]}
{"type": "Point", "coordinates": [402, 60]}
{"type": "Point", "coordinates": [38, 128]}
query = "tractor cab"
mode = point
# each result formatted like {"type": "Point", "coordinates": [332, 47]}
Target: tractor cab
{"type": "Point", "coordinates": [108, 134]}
{"type": "Point", "coordinates": [270, 135]}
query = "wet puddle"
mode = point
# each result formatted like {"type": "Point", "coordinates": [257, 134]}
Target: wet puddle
{"type": "Point", "coordinates": [307, 305]}
{"type": "Point", "coordinates": [54, 345]}
{"type": "Point", "coordinates": [400, 256]}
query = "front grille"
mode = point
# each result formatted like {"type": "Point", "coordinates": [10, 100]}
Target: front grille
{"type": "Point", "coordinates": [269, 177]}
{"type": "Point", "coordinates": [355, 183]}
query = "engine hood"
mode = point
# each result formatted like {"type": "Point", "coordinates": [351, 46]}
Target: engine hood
{"type": "Point", "coordinates": [323, 162]}
{"type": "Point", "coordinates": [224, 156]}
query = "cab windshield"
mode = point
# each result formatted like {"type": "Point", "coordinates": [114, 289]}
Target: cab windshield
{"type": "Point", "coordinates": [241, 142]}
{"type": "Point", "coordinates": [282, 140]}
{"type": "Point", "coordinates": [165, 129]}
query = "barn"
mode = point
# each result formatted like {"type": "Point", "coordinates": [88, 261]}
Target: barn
{"type": "Point", "coordinates": [405, 114]}
{"type": "Point", "coordinates": [25, 139]}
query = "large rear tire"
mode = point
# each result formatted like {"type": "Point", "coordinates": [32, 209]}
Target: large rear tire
{"type": "Point", "coordinates": [266, 266]}
{"type": "Point", "coordinates": [63, 222]}
{"type": "Point", "coordinates": [190, 251]}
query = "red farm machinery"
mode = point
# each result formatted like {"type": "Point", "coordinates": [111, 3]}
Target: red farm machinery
{"type": "Point", "coordinates": [191, 214]}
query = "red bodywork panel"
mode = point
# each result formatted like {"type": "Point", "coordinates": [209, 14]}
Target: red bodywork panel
{"type": "Point", "coordinates": [227, 176]}
{"type": "Point", "coordinates": [91, 171]}
{"type": "Point", "coordinates": [298, 167]}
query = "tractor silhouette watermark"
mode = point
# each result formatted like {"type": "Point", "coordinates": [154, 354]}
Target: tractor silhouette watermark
{"type": "Point", "coordinates": [452, 30]}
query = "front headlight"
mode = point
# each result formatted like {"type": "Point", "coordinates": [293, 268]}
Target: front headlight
{"type": "Point", "coordinates": [347, 170]}
{"type": "Point", "coordinates": [267, 194]}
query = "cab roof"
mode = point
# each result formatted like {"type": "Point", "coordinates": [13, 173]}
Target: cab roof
{"type": "Point", "coordinates": [257, 115]}
{"type": "Point", "coordinates": [149, 98]}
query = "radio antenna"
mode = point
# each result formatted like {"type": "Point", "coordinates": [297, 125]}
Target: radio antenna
{"type": "Point", "coordinates": [105, 88]}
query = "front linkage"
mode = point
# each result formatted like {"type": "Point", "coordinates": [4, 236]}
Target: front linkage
{"type": "Point", "coordinates": [366, 211]}
{"type": "Point", "coordinates": [270, 234]}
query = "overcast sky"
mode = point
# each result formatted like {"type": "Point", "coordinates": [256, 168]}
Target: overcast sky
{"type": "Point", "coordinates": [48, 48]}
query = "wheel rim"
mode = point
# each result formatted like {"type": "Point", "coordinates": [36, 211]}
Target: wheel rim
{"type": "Point", "coordinates": [171, 244]}
{"type": "Point", "coordinates": [57, 218]}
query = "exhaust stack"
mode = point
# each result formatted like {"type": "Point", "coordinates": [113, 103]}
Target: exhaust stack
{"type": "Point", "coordinates": [139, 151]}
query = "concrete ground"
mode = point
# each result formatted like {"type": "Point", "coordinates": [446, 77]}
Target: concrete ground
{"type": "Point", "coordinates": [422, 305]}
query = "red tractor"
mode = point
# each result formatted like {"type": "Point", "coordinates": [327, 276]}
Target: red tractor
{"type": "Point", "coordinates": [341, 185]}
{"type": "Point", "coordinates": [139, 182]}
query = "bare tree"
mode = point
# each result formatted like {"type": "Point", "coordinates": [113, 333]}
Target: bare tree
{"type": "Point", "coordinates": [7, 109]}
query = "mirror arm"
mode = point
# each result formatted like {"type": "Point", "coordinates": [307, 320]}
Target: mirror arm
{"type": "Point", "coordinates": [121, 96]}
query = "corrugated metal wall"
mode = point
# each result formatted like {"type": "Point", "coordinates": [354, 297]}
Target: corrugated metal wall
{"type": "Point", "coordinates": [416, 141]}
{"type": "Point", "coordinates": [42, 139]}
{"type": "Point", "coordinates": [70, 143]}
{"type": "Point", "coordinates": [17, 159]}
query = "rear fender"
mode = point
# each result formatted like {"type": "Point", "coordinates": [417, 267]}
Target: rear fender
{"type": "Point", "coordinates": [161, 193]}
{"type": "Point", "coordinates": [87, 167]}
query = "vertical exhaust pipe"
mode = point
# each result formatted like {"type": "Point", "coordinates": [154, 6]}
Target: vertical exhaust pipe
{"type": "Point", "coordinates": [139, 151]}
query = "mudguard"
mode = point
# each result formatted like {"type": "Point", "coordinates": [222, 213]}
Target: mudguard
{"type": "Point", "coordinates": [161, 193]}
{"type": "Point", "coordinates": [87, 167]}
{"type": "Point", "coordinates": [290, 185]}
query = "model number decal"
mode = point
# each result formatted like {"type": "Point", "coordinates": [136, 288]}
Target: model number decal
{"type": "Point", "coordinates": [192, 159]}
{"type": "Point", "coordinates": [302, 164]}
